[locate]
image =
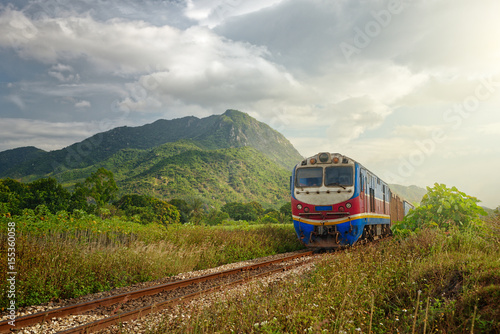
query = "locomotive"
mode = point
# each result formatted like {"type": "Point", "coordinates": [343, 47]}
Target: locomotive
{"type": "Point", "coordinates": [336, 202]}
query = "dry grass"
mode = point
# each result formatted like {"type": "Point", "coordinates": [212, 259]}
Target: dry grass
{"type": "Point", "coordinates": [432, 282]}
{"type": "Point", "coordinates": [65, 264]}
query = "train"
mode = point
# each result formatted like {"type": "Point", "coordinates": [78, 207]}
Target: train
{"type": "Point", "coordinates": [337, 202]}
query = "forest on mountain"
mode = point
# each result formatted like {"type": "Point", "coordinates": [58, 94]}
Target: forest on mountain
{"type": "Point", "coordinates": [221, 158]}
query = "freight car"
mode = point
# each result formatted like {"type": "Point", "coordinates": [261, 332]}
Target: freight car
{"type": "Point", "coordinates": [336, 202]}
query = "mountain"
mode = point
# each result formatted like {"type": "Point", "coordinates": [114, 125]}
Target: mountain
{"type": "Point", "coordinates": [182, 169]}
{"type": "Point", "coordinates": [225, 175]}
{"type": "Point", "coordinates": [412, 194]}
{"type": "Point", "coordinates": [18, 156]}
{"type": "Point", "coordinates": [229, 130]}
{"type": "Point", "coordinates": [222, 158]}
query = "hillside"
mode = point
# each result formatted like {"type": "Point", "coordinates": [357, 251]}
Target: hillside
{"type": "Point", "coordinates": [182, 169]}
{"type": "Point", "coordinates": [222, 158]}
{"type": "Point", "coordinates": [219, 176]}
{"type": "Point", "coordinates": [229, 130]}
{"type": "Point", "coordinates": [18, 156]}
{"type": "Point", "coordinates": [412, 194]}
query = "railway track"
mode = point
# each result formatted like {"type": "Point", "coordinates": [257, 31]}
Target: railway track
{"type": "Point", "coordinates": [138, 303]}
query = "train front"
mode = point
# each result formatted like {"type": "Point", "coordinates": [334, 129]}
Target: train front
{"type": "Point", "coordinates": [326, 201]}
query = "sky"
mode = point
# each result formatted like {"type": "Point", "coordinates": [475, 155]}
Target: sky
{"type": "Point", "coordinates": [408, 88]}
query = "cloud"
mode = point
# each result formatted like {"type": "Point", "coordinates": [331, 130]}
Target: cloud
{"type": "Point", "coordinates": [157, 12]}
{"type": "Point", "coordinates": [309, 34]}
{"type": "Point", "coordinates": [414, 131]}
{"type": "Point", "coordinates": [15, 99]}
{"type": "Point", "coordinates": [16, 132]}
{"type": "Point", "coordinates": [491, 129]}
{"type": "Point", "coordinates": [204, 77]}
{"type": "Point", "coordinates": [284, 62]}
{"type": "Point", "coordinates": [82, 104]}
{"type": "Point", "coordinates": [212, 12]}
{"type": "Point", "coordinates": [161, 64]}
{"type": "Point", "coordinates": [353, 117]}
{"type": "Point", "coordinates": [63, 73]}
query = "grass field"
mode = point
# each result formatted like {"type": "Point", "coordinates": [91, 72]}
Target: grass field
{"type": "Point", "coordinates": [431, 282]}
{"type": "Point", "coordinates": [58, 256]}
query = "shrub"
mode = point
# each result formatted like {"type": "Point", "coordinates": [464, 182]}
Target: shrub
{"type": "Point", "coordinates": [442, 208]}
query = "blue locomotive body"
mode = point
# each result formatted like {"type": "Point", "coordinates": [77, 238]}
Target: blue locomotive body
{"type": "Point", "coordinates": [337, 202]}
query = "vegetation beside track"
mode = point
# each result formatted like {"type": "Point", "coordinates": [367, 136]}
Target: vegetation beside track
{"type": "Point", "coordinates": [443, 282]}
{"type": "Point", "coordinates": [64, 256]}
{"type": "Point", "coordinates": [441, 273]}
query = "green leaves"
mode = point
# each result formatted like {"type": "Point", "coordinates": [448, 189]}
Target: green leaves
{"type": "Point", "coordinates": [442, 208]}
{"type": "Point", "coordinates": [148, 209]}
{"type": "Point", "coordinates": [101, 186]}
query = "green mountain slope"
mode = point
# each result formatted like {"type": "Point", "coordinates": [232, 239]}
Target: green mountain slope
{"type": "Point", "coordinates": [18, 156]}
{"type": "Point", "coordinates": [126, 163]}
{"type": "Point", "coordinates": [220, 176]}
{"type": "Point", "coordinates": [231, 129]}
{"type": "Point", "coordinates": [412, 194]}
{"type": "Point", "coordinates": [182, 169]}
{"type": "Point", "coordinates": [222, 158]}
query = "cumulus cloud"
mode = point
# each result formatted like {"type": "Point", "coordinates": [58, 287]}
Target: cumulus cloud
{"type": "Point", "coordinates": [213, 12]}
{"type": "Point", "coordinates": [17, 132]}
{"type": "Point", "coordinates": [353, 116]}
{"type": "Point", "coordinates": [63, 73]}
{"type": "Point", "coordinates": [309, 34]}
{"type": "Point", "coordinates": [163, 64]}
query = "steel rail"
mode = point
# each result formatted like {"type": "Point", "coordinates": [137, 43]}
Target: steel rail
{"type": "Point", "coordinates": [46, 316]}
{"type": "Point", "coordinates": [143, 311]}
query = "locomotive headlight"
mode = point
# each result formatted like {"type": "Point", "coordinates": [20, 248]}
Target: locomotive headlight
{"type": "Point", "coordinates": [323, 157]}
{"type": "Point", "coordinates": [299, 206]}
{"type": "Point", "coordinates": [348, 205]}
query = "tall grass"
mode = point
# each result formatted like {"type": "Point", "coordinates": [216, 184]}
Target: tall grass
{"type": "Point", "coordinates": [447, 283]}
{"type": "Point", "coordinates": [59, 257]}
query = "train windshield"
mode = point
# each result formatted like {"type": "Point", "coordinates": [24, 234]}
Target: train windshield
{"type": "Point", "coordinates": [309, 177]}
{"type": "Point", "coordinates": [338, 176]}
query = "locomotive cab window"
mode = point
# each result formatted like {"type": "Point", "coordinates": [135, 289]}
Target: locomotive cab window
{"type": "Point", "coordinates": [338, 176]}
{"type": "Point", "coordinates": [309, 177]}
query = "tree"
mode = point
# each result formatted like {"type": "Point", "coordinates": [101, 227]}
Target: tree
{"type": "Point", "coordinates": [286, 213]}
{"type": "Point", "coordinates": [183, 208]}
{"type": "Point", "coordinates": [165, 213]}
{"type": "Point", "coordinates": [13, 195]}
{"type": "Point", "coordinates": [148, 209]}
{"type": "Point", "coordinates": [443, 208]}
{"type": "Point", "coordinates": [215, 217]}
{"type": "Point", "coordinates": [78, 200]}
{"type": "Point", "coordinates": [196, 208]}
{"type": "Point", "coordinates": [99, 186]}
{"type": "Point", "coordinates": [239, 211]}
{"type": "Point", "coordinates": [49, 193]}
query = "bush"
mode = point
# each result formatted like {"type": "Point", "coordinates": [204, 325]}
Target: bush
{"type": "Point", "coordinates": [442, 208]}
{"type": "Point", "coordinates": [240, 211]}
{"type": "Point", "coordinates": [147, 209]}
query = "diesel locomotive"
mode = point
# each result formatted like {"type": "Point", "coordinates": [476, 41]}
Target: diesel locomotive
{"type": "Point", "coordinates": [336, 202]}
